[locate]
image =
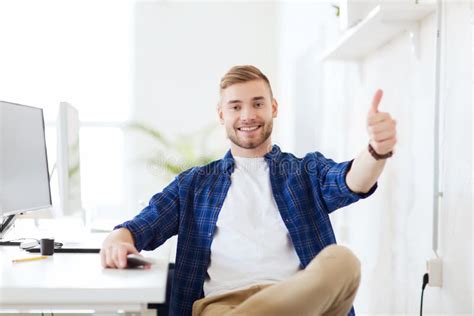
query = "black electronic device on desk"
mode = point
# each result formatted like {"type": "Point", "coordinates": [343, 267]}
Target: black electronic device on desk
{"type": "Point", "coordinates": [68, 250]}
{"type": "Point", "coordinates": [134, 261]}
{"type": "Point", "coordinates": [67, 247]}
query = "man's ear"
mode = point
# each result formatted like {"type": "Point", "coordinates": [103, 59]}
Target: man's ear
{"type": "Point", "coordinates": [220, 114]}
{"type": "Point", "coordinates": [274, 108]}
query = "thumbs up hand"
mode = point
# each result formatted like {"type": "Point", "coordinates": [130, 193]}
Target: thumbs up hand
{"type": "Point", "coordinates": [381, 127]}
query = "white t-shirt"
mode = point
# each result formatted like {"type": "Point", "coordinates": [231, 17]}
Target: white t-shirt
{"type": "Point", "coordinates": [251, 243]}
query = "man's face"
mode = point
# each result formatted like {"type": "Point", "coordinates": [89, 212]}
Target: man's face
{"type": "Point", "coordinates": [247, 111]}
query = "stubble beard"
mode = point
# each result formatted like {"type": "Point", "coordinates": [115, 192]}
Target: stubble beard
{"type": "Point", "coordinates": [254, 143]}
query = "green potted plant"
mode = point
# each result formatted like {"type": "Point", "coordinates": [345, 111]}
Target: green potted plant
{"type": "Point", "coordinates": [173, 156]}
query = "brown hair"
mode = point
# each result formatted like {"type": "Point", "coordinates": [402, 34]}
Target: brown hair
{"type": "Point", "coordinates": [241, 74]}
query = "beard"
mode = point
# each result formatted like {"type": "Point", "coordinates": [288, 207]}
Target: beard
{"type": "Point", "coordinates": [242, 141]}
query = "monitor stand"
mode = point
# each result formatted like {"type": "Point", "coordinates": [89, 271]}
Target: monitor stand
{"type": "Point", "coordinates": [6, 223]}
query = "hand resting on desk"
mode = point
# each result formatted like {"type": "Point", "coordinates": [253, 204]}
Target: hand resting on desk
{"type": "Point", "coordinates": [115, 249]}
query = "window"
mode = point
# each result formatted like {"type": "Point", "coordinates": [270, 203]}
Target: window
{"type": "Point", "coordinates": [78, 52]}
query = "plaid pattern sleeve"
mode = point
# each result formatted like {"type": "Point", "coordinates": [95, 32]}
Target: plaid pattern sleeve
{"type": "Point", "coordinates": [329, 182]}
{"type": "Point", "coordinates": [158, 221]}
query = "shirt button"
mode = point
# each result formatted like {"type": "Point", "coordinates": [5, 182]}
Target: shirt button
{"type": "Point", "coordinates": [209, 234]}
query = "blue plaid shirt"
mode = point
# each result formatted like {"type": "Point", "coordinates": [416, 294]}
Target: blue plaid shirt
{"type": "Point", "coordinates": [305, 189]}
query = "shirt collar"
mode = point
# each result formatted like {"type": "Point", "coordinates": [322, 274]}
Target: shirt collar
{"type": "Point", "coordinates": [228, 162]}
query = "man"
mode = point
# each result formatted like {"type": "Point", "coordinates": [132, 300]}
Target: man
{"type": "Point", "coordinates": [254, 235]}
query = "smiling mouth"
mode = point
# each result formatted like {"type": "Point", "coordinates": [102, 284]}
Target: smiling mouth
{"type": "Point", "coordinates": [248, 129]}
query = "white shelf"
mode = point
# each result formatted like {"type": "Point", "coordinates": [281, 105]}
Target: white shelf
{"type": "Point", "coordinates": [382, 23]}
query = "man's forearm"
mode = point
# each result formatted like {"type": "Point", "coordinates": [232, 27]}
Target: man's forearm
{"type": "Point", "coordinates": [364, 172]}
{"type": "Point", "coordinates": [365, 169]}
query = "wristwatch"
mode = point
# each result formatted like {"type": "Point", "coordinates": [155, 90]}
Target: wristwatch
{"type": "Point", "coordinates": [378, 156]}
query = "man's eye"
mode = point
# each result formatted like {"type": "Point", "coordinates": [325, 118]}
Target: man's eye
{"type": "Point", "coordinates": [235, 108]}
{"type": "Point", "coordinates": [259, 104]}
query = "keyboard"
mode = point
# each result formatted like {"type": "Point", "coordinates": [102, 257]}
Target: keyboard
{"type": "Point", "coordinates": [68, 250]}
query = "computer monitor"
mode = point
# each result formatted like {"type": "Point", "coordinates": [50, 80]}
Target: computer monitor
{"type": "Point", "coordinates": [24, 174]}
{"type": "Point", "coordinates": [68, 162]}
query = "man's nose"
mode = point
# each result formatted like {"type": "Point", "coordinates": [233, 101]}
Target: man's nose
{"type": "Point", "coordinates": [247, 113]}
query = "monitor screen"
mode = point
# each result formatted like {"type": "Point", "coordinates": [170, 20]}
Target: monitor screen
{"type": "Point", "coordinates": [68, 161]}
{"type": "Point", "coordinates": [24, 175]}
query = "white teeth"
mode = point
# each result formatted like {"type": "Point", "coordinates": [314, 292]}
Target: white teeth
{"type": "Point", "coordinates": [248, 128]}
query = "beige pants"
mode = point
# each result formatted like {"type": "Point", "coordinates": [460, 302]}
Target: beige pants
{"type": "Point", "coordinates": [327, 286]}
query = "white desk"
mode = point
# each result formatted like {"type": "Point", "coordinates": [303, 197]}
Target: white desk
{"type": "Point", "coordinates": [66, 282]}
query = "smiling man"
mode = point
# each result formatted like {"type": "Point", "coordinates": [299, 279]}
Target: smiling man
{"type": "Point", "coordinates": [254, 231]}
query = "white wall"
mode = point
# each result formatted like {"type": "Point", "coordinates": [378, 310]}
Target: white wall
{"type": "Point", "coordinates": [391, 231]}
{"type": "Point", "coordinates": [300, 30]}
{"type": "Point", "coordinates": [181, 51]}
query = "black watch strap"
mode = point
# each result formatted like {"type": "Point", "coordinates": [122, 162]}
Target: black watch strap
{"type": "Point", "coordinates": [378, 156]}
